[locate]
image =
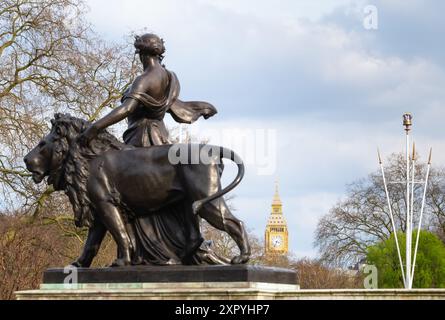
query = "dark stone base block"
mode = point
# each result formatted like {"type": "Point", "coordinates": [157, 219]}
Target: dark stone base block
{"type": "Point", "coordinates": [176, 273]}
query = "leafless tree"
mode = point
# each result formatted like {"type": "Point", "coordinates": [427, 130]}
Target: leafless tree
{"type": "Point", "coordinates": [313, 274]}
{"type": "Point", "coordinates": [50, 61]}
{"type": "Point", "coordinates": [363, 218]}
{"type": "Point", "coordinates": [27, 249]}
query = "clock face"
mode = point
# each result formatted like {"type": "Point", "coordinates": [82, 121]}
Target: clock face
{"type": "Point", "coordinates": [277, 241]}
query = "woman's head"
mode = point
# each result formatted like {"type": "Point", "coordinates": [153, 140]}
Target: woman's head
{"type": "Point", "coordinates": [149, 44]}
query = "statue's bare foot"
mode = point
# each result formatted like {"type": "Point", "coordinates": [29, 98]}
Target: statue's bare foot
{"type": "Point", "coordinates": [121, 262]}
{"type": "Point", "coordinates": [242, 258]}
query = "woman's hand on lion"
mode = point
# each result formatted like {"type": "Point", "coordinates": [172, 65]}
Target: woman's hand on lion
{"type": "Point", "coordinates": [87, 135]}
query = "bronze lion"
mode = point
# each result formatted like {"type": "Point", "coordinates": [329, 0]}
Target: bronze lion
{"type": "Point", "coordinates": [110, 184]}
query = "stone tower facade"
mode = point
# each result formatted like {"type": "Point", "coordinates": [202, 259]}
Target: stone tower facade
{"type": "Point", "coordinates": [276, 235]}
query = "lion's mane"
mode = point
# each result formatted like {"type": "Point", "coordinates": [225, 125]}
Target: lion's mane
{"type": "Point", "coordinates": [75, 169]}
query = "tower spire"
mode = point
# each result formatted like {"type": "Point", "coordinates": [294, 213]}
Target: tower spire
{"type": "Point", "coordinates": [276, 235]}
{"type": "Point", "coordinates": [276, 197]}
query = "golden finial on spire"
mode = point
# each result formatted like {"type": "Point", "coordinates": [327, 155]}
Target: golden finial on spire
{"type": "Point", "coordinates": [276, 198]}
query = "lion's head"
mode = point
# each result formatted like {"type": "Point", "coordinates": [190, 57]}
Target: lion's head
{"type": "Point", "coordinates": [59, 157]}
{"type": "Point", "coordinates": [47, 157]}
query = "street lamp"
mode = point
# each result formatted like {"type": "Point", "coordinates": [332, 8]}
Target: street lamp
{"type": "Point", "coordinates": [410, 261]}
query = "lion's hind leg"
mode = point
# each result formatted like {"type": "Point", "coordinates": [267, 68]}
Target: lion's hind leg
{"type": "Point", "coordinates": [203, 181]}
{"type": "Point", "coordinates": [218, 214]}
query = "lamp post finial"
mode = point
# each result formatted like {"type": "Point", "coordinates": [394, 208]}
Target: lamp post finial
{"type": "Point", "coordinates": [407, 121]}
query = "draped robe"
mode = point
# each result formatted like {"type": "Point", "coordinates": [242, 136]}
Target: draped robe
{"type": "Point", "coordinates": [172, 234]}
{"type": "Point", "coordinates": [146, 126]}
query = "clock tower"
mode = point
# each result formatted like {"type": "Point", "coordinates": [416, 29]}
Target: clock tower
{"type": "Point", "coordinates": [276, 235]}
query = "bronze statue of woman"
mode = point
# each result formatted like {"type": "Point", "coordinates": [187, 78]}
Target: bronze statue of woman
{"type": "Point", "coordinates": [152, 94]}
{"type": "Point", "coordinates": [166, 236]}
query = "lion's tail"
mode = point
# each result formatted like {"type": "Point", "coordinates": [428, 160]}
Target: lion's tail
{"type": "Point", "coordinates": [225, 153]}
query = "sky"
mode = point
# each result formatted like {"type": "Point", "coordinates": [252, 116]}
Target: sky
{"type": "Point", "coordinates": [305, 90]}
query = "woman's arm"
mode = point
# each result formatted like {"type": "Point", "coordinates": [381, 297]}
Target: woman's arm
{"type": "Point", "coordinates": [118, 114]}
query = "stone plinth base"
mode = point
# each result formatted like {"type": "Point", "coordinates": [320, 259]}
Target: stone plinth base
{"type": "Point", "coordinates": [199, 283]}
{"type": "Point", "coordinates": [174, 273]}
{"type": "Point", "coordinates": [165, 282]}
{"type": "Point", "coordinates": [218, 291]}
{"type": "Point", "coordinates": [159, 291]}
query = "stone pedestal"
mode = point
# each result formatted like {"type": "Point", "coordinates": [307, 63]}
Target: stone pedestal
{"type": "Point", "coordinates": [166, 282]}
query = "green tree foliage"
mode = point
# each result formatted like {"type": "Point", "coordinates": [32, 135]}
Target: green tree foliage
{"type": "Point", "coordinates": [430, 262]}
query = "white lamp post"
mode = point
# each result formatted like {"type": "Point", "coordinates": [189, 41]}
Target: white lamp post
{"type": "Point", "coordinates": [408, 272]}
